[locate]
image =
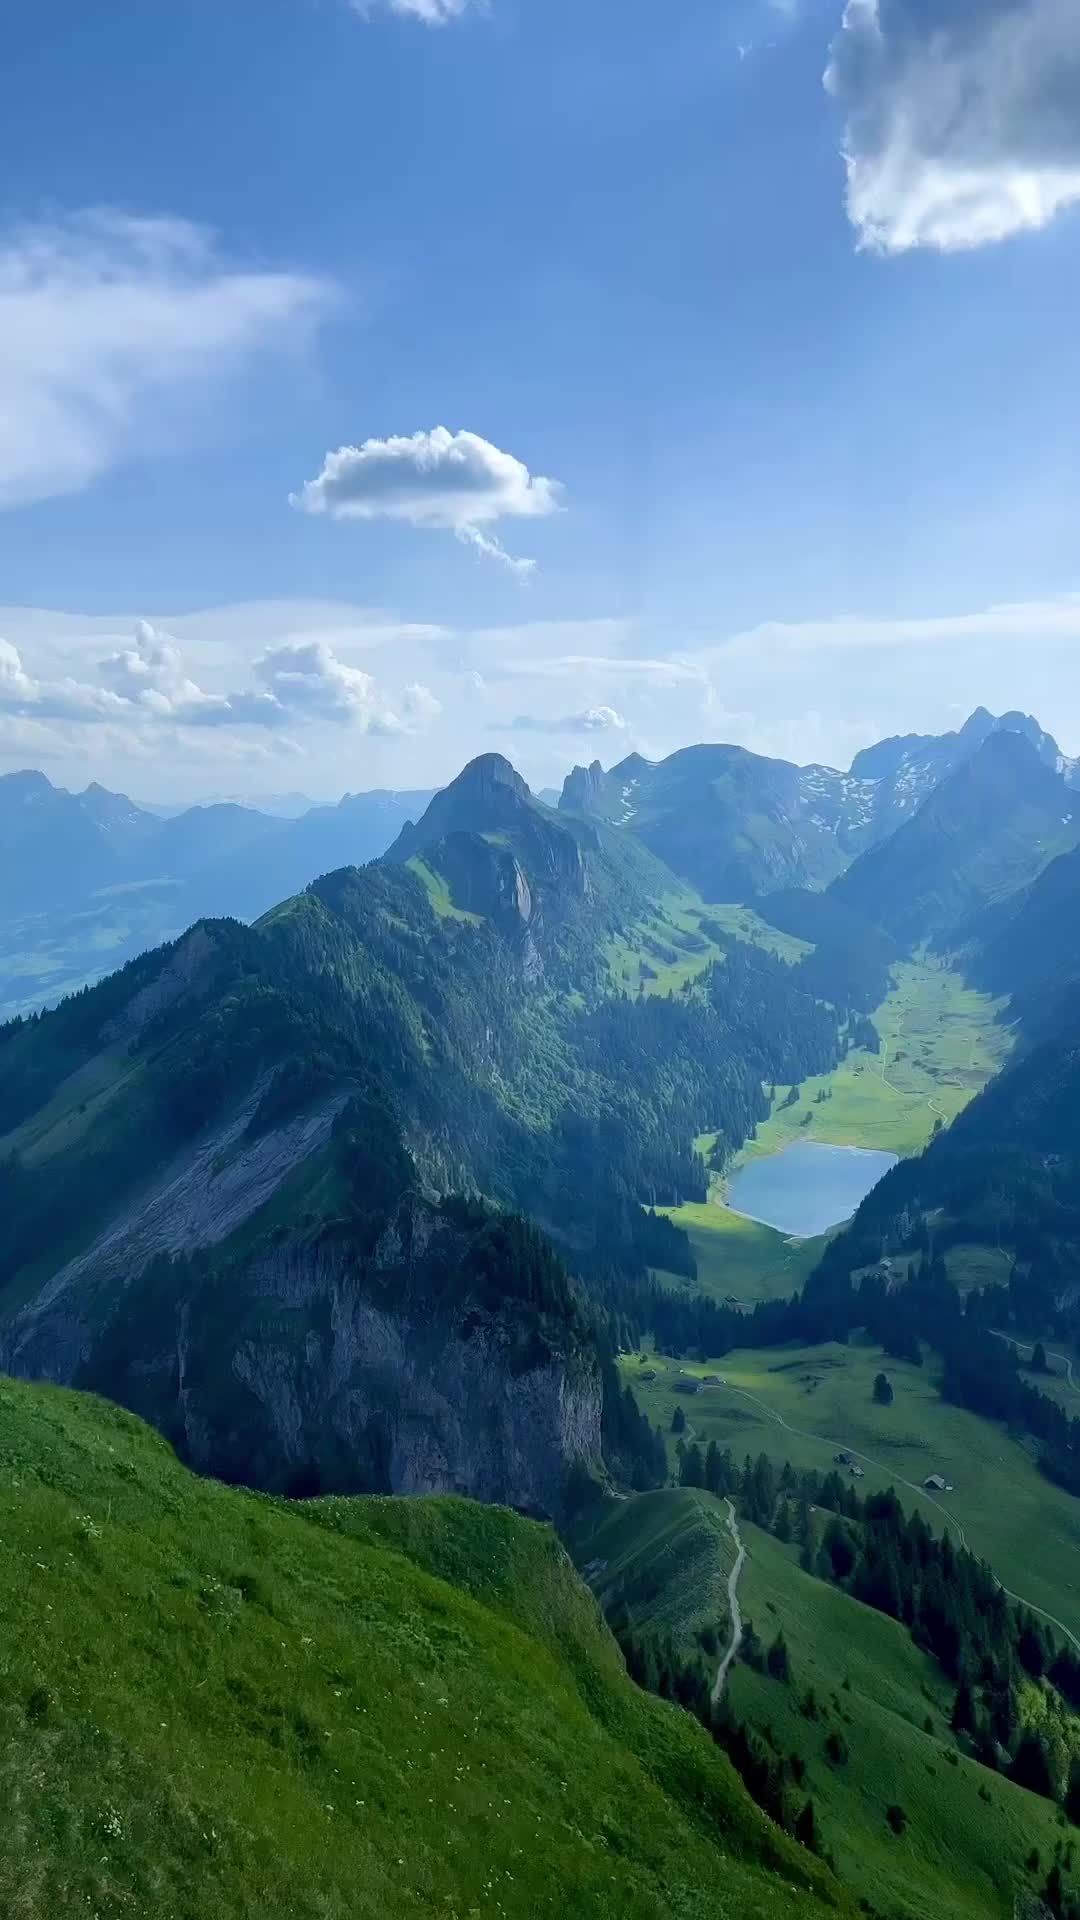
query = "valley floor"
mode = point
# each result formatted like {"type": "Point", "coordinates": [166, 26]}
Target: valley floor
{"type": "Point", "coordinates": [806, 1404]}
{"type": "Point", "coordinates": [940, 1043]}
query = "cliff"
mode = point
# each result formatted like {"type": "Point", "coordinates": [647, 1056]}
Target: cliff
{"type": "Point", "coordinates": [415, 1366]}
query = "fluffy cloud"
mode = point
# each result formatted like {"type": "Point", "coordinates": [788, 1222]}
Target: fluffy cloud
{"type": "Point", "coordinates": [453, 481]}
{"type": "Point", "coordinates": [592, 720]}
{"type": "Point", "coordinates": [102, 314]}
{"type": "Point", "coordinates": [962, 118]}
{"type": "Point", "coordinates": [303, 681]}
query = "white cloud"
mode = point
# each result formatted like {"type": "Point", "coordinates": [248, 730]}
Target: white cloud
{"type": "Point", "coordinates": [574, 666]}
{"type": "Point", "coordinates": [962, 118]}
{"type": "Point", "coordinates": [103, 314]}
{"type": "Point", "coordinates": [592, 720]}
{"type": "Point", "coordinates": [454, 481]}
{"type": "Point", "coordinates": [434, 13]}
{"type": "Point", "coordinates": [307, 681]}
{"type": "Point", "coordinates": [302, 681]}
{"type": "Point", "coordinates": [1039, 622]}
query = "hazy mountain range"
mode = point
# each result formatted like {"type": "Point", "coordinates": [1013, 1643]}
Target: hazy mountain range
{"type": "Point", "coordinates": [91, 879]}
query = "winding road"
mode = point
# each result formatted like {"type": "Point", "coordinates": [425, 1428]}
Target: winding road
{"type": "Point", "coordinates": [879, 1465]}
{"type": "Point", "coordinates": [733, 1604]}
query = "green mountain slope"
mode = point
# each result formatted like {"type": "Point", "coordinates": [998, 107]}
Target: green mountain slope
{"type": "Point", "coordinates": [660, 1564]}
{"type": "Point", "coordinates": [255, 1126]}
{"type": "Point", "coordinates": [214, 1703]}
{"type": "Point", "coordinates": [985, 832]}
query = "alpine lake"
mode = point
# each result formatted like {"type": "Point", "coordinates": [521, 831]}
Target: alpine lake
{"type": "Point", "coordinates": [808, 1187]}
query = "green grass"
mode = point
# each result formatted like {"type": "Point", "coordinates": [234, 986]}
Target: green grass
{"type": "Point", "coordinates": [970, 1267]}
{"type": "Point", "coordinates": [740, 1259]}
{"type": "Point", "coordinates": [941, 1043]}
{"type": "Point", "coordinates": [1010, 1513]}
{"type": "Point", "coordinates": [666, 1555]}
{"type": "Point", "coordinates": [438, 892]}
{"type": "Point", "coordinates": [747, 925]}
{"type": "Point", "coordinates": [969, 1831]}
{"type": "Point", "coordinates": [212, 1703]}
{"type": "Point", "coordinates": [664, 949]}
{"type": "Point", "coordinates": [78, 1105]}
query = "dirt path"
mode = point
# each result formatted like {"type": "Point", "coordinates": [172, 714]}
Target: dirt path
{"type": "Point", "coordinates": [826, 1441]}
{"type": "Point", "coordinates": [733, 1604]}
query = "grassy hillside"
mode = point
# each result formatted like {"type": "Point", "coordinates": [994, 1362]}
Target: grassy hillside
{"type": "Point", "coordinates": [969, 1831]}
{"type": "Point", "coordinates": [804, 1404]}
{"type": "Point", "coordinates": [665, 1558]}
{"type": "Point", "coordinates": [741, 1259]}
{"type": "Point", "coordinates": [213, 1703]}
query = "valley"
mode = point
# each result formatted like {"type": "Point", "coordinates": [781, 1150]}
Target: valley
{"type": "Point", "coordinates": [940, 1042]}
{"type": "Point", "coordinates": [440, 1180]}
{"type": "Point", "coordinates": [808, 1404]}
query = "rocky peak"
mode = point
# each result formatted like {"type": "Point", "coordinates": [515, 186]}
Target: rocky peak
{"type": "Point", "coordinates": [25, 787]}
{"type": "Point", "coordinates": [583, 789]}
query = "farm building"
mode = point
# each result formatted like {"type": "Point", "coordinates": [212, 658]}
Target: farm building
{"type": "Point", "coordinates": [934, 1483]}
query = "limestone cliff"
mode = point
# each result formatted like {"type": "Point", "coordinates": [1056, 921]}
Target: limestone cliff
{"type": "Point", "coordinates": [318, 1365]}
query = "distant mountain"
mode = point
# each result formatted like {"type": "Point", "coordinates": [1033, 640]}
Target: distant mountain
{"type": "Point", "coordinates": [907, 768]}
{"type": "Point", "coordinates": [54, 844]}
{"type": "Point", "coordinates": [280, 806]}
{"type": "Point", "coordinates": [733, 824]}
{"type": "Point", "coordinates": [90, 879]}
{"type": "Point", "coordinates": [738, 825]}
{"type": "Point", "coordinates": [986, 830]}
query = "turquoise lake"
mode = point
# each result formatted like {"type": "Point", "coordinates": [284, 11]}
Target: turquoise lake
{"type": "Point", "coordinates": [808, 1187]}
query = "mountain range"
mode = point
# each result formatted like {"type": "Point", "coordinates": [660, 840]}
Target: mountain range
{"type": "Point", "coordinates": [378, 1194]}
{"type": "Point", "coordinates": [91, 878]}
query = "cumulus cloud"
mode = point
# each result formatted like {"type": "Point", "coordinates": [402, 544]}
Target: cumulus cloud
{"type": "Point", "coordinates": [962, 118]}
{"type": "Point", "coordinates": [102, 314]}
{"type": "Point", "coordinates": [457, 482]}
{"type": "Point", "coordinates": [302, 681]}
{"type": "Point", "coordinates": [592, 720]}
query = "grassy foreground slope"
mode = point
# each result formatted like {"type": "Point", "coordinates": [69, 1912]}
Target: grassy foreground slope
{"type": "Point", "coordinates": [214, 1703]}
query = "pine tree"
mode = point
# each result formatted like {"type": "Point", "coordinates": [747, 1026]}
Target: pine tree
{"type": "Point", "coordinates": [1072, 1793]}
{"type": "Point", "coordinates": [678, 1421]}
{"type": "Point", "coordinates": [963, 1713]}
{"type": "Point", "coordinates": [777, 1660]}
{"type": "Point", "coordinates": [806, 1828]}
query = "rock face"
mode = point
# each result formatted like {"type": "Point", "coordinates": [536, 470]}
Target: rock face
{"type": "Point", "coordinates": [321, 1368]}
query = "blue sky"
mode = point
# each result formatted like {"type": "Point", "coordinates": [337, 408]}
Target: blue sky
{"type": "Point", "coordinates": [792, 448]}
